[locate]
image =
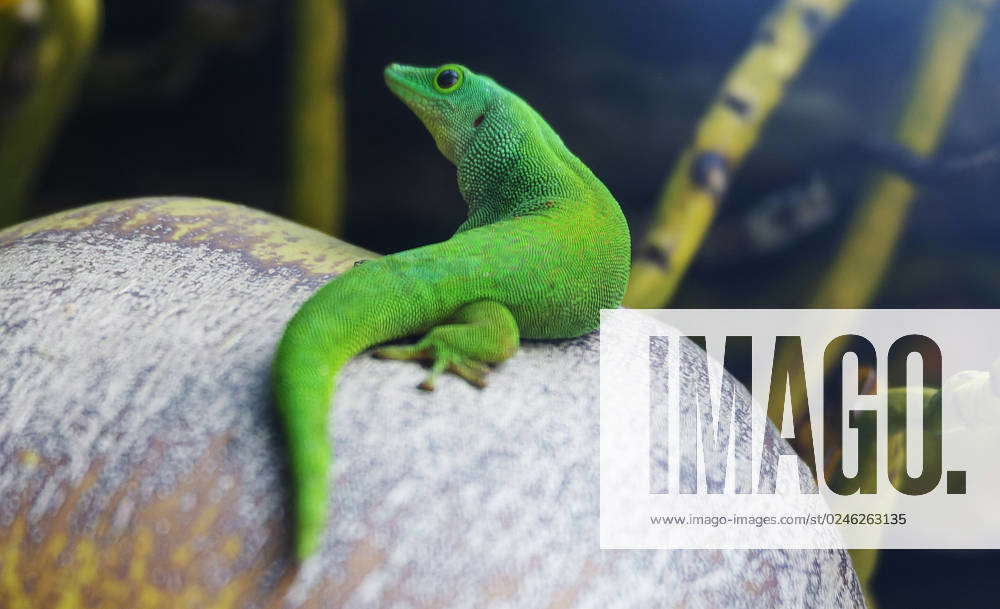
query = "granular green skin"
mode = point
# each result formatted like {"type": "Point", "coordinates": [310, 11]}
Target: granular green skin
{"type": "Point", "coordinates": [544, 249]}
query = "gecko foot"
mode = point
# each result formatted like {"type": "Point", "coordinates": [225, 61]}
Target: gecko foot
{"type": "Point", "coordinates": [443, 359]}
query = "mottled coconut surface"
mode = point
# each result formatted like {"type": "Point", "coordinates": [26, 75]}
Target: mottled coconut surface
{"type": "Point", "coordinates": [141, 462]}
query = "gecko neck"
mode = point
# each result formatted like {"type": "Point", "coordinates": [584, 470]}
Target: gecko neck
{"type": "Point", "coordinates": [509, 171]}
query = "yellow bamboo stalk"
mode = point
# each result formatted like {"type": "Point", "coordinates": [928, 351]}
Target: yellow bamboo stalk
{"type": "Point", "coordinates": [953, 32]}
{"type": "Point", "coordinates": [954, 28]}
{"type": "Point", "coordinates": [725, 134]}
{"type": "Point", "coordinates": [316, 138]}
{"type": "Point", "coordinates": [69, 32]}
{"type": "Point", "coordinates": [952, 35]}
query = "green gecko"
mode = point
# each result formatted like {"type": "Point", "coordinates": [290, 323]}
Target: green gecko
{"type": "Point", "coordinates": [545, 247]}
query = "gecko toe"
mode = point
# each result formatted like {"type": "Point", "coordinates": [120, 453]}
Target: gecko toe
{"type": "Point", "coordinates": [472, 371]}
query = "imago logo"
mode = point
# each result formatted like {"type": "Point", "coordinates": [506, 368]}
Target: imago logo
{"type": "Point", "coordinates": [788, 396]}
{"type": "Point", "coordinates": [857, 428]}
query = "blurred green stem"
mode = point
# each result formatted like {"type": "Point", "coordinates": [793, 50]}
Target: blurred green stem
{"type": "Point", "coordinates": [953, 33]}
{"type": "Point", "coordinates": [866, 560]}
{"type": "Point", "coordinates": [726, 133]}
{"type": "Point", "coordinates": [69, 30]}
{"type": "Point", "coordinates": [316, 138]}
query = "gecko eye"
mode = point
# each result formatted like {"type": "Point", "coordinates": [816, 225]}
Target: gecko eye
{"type": "Point", "coordinates": [448, 78]}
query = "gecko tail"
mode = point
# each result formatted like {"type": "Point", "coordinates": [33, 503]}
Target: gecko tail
{"type": "Point", "coordinates": [345, 317]}
{"type": "Point", "coordinates": [305, 369]}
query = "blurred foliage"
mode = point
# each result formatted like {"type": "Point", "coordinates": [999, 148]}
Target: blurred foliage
{"type": "Point", "coordinates": [727, 132]}
{"type": "Point", "coordinates": [44, 49]}
{"type": "Point", "coordinates": [953, 33]}
{"type": "Point", "coordinates": [866, 561]}
{"type": "Point", "coordinates": [194, 97]}
{"type": "Point", "coordinates": [158, 55]}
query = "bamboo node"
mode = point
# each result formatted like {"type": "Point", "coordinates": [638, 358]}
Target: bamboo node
{"type": "Point", "coordinates": [710, 171]}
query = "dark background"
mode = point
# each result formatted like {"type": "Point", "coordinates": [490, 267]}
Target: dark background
{"type": "Point", "coordinates": [624, 83]}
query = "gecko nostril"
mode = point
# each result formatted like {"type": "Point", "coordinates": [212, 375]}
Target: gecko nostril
{"type": "Point", "coordinates": [479, 120]}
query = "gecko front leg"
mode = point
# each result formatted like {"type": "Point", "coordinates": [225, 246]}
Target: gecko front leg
{"type": "Point", "coordinates": [479, 333]}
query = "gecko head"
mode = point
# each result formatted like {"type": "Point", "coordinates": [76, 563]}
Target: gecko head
{"type": "Point", "coordinates": [451, 101]}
